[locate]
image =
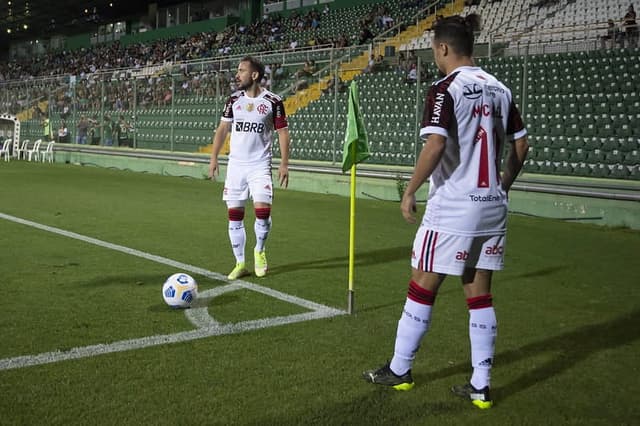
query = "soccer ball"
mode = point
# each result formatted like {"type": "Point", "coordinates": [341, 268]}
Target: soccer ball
{"type": "Point", "coordinates": [180, 290]}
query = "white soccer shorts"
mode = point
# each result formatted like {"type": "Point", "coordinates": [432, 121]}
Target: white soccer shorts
{"type": "Point", "coordinates": [449, 254]}
{"type": "Point", "coordinates": [244, 182]}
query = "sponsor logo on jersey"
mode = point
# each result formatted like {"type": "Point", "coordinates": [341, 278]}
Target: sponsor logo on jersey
{"type": "Point", "coordinates": [472, 91]}
{"type": "Point", "coordinates": [249, 107]}
{"type": "Point", "coordinates": [437, 108]}
{"type": "Point", "coordinates": [462, 255]}
{"type": "Point", "coordinates": [494, 250]}
{"type": "Point", "coordinates": [487, 111]}
{"type": "Point", "coordinates": [248, 126]}
{"type": "Point", "coordinates": [262, 109]}
{"type": "Point", "coordinates": [484, 198]}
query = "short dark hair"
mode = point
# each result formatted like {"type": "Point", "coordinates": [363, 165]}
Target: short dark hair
{"type": "Point", "coordinates": [256, 66]}
{"type": "Point", "coordinates": [457, 32]}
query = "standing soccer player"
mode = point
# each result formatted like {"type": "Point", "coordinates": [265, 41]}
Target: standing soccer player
{"type": "Point", "coordinates": [468, 117]}
{"type": "Point", "coordinates": [251, 114]}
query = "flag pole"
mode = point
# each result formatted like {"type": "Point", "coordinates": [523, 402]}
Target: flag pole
{"type": "Point", "coordinates": [352, 232]}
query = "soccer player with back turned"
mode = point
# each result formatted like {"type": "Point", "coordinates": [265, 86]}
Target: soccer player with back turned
{"type": "Point", "coordinates": [251, 114]}
{"type": "Point", "coordinates": [469, 115]}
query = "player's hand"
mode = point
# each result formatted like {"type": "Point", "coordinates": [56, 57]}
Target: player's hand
{"type": "Point", "coordinates": [408, 207]}
{"type": "Point", "coordinates": [213, 169]}
{"type": "Point", "coordinates": [283, 175]}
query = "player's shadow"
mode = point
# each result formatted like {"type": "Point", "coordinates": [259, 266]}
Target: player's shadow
{"type": "Point", "coordinates": [568, 348]}
{"type": "Point", "coordinates": [373, 257]}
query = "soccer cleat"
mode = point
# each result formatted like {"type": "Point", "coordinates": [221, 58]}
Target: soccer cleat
{"type": "Point", "coordinates": [260, 263]}
{"type": "Point", "coordinates": [238, 271]}
{"type": "Point", "coordinates": [479, 397]}
{"type": "Point", "coordinates": [384, 376]}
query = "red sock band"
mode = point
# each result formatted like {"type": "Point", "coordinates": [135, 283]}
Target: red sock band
{"type": "Point", "coordinates": [236, 215]}
{"type": "Point", "coordinates": [263, 213]}
{"type": "Point", "coordinates": [420, 295]}
{"type": "Point", "coordinates": [480, 302]}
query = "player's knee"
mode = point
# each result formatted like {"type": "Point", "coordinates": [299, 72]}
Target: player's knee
{"type": "Point", "coordinates": [263, 212]}
{"type": "Point", "coordinates": [236, 214]}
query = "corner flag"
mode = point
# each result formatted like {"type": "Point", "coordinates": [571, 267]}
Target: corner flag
{"type": "Point", "coordinates": [355, 150]}
{"type": "Point", "coordinates": [356, 141]}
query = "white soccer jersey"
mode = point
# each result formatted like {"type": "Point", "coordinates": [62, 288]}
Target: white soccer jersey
{"type": "Point", "coordinates": [476, 113]}
{"type": "Point", "coordinates": [254, 120]}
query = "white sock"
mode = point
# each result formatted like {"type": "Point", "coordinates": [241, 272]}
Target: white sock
{"type": "Point", "coordinates": [412, 326]}
{"type": "Point", "coordinates": [237, 237]}
{"type": "Point", "coordinates": [261, 228]}
{"type": "Point", "coordinates": [483, 328]}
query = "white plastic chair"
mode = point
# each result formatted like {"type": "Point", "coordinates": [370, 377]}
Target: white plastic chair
{"type": "Point", "coordinates": [15, 152]}
{"type": "Point", "coordinates": [47, 154]}
{"type": "Point", "coordinates": [24, 148]}
{"type": "Point", "coordinates": [5, 150]}
{"type": "Point", "coordinates": [34, 152]}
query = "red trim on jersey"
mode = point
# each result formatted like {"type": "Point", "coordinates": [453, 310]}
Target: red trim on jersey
{"type": "Point", "coordinates": [420, 295]}
{"type": "Point", "coordinates": [263, 212]}
{"type": "Point", "coordinates": [483, 169]}
{"type": "Point", "coordinates": [236, 215]}
{"type": "Point", "coordinates": [480, 302]}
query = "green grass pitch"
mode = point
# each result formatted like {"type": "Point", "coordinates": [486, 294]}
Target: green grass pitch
{"type": "Point", "coordinates": [568, 306]}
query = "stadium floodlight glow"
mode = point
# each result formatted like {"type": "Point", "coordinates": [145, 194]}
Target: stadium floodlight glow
{"type": "Point", "coordinates": [25, 26]}
{"type": "Point", "coordinates": [8, 30]}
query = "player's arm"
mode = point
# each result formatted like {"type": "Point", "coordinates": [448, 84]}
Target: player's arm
{"type": "Point", "coordinates": [514, 162]}
{"type": "Point", "coordinates": [218, 140]}
{"type": "Point", "coordinates": [427, 161]}
{"type": "Point", "coordinates": [283, 170]}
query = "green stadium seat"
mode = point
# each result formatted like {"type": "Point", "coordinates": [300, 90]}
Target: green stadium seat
{"type": "Point", "coordinates": [578, 156]}
{"type": "Point", "coordinates": [582, 169]}
{"type": "Point", "coordinates": [614, 157]}
{"type": "Point", "coordinates": [631, 158]}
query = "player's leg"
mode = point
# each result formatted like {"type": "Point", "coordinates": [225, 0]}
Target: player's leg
{"type": "Point", "coordinates": [476, 281]}
{"type": "Point", "coordinates": [261, 189]}
{"type": "Point", "coordinates": [235, 195]}
{"type": "Point", "coordinates": [416, 315]}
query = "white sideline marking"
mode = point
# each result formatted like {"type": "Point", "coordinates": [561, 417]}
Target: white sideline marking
{"type": "Point", "coordinates": [198, 315]}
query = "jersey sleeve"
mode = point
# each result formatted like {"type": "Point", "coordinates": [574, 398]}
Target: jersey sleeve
{"type": "Point", "coordinates": [438, 111]}
{"type": "Point", "coordinates": [515, 126]}
{"type": "Point", "coordinates": [227, 111]}
{"type": "Point", "coordinates": [279, 115]}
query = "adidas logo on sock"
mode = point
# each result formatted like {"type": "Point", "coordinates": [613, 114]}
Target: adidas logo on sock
{"type": "Point", "coordinates": [486, 363]}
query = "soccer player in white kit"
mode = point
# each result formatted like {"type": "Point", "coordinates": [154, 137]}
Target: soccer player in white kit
{"type": "Point", "coordinates": [251, 114]}
{"type": "Point", "coordinates": [469, 116]}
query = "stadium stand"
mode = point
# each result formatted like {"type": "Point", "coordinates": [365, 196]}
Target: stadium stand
{"type": "Point", "coordinates": [581, 103]}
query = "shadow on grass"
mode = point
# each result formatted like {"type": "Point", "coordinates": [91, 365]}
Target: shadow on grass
{"type": "Point", "coordinates": [373, 257]}
{"type": "Point", "coordinates": [570, 348]}
{"type": "Point", "coordinates": [381, 406]}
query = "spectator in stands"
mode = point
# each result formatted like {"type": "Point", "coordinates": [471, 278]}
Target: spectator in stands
{"type": "Point", "coordinates": [365, 35]}
{"type": "Point", "coordinates": [342, 87]}
{"type": "Point", "coordinates": [630, 27]}
{"type": "Point", "coordinates": [370, 64]}
{"type": "Point", "coordinates": [82, 130]}
{"type": "Point", "coordinates": [123, 129]}
{"type": "Point", "coordinates": [412, 75]}
{"type": "Point", "coordinates": [94, 130]}
{"type": "Point", "coordinates": [107, 130]}
{"type": "Point", "coordinates": [612, 36]}
{"type": "Point", "coordinates": [63, 132]}
{"type": "Point", "coordinates": [307, 70]}
{"type": "Point", "coordinates": [47, 134]}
